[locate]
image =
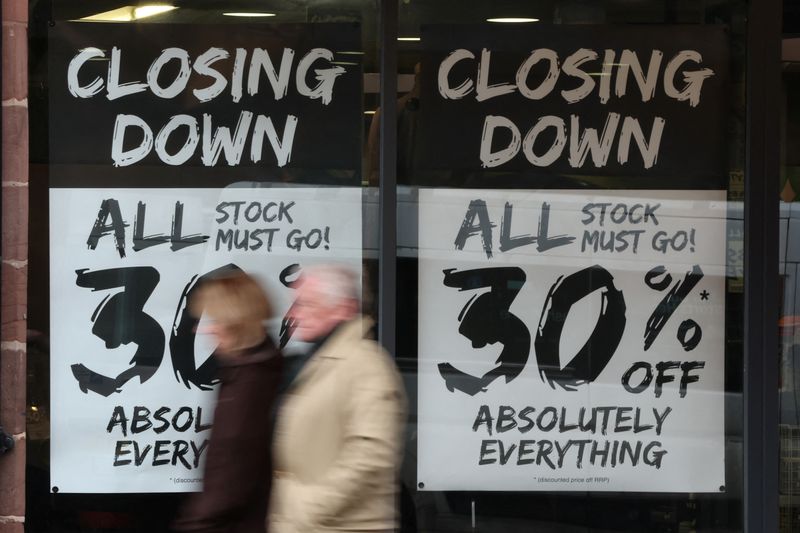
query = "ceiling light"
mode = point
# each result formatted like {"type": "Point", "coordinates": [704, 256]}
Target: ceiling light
{"type": "Point", "coordinates": [141, 12]}
{"type": "Point", "coordinates": [408, 38]}
{"type": "Point", "coordinates": [512, 19]}
{"type": "Point", "coordinates": [350, 53]}
{"type": "Point", "coordinates": [130, 13]}
{"type": "Point", "coordinates": [123, 14]}
{"type": "Point", "coordinates": [246, 14]}
{"type": "Point", "coordinates": [369, 112]}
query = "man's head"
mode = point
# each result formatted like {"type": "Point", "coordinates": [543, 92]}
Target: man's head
{"type": "Point", "coordinates": [326, 296]}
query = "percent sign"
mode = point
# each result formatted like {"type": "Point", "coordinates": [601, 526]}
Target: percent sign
{"type": "Point", "coordinates": [668, 305]}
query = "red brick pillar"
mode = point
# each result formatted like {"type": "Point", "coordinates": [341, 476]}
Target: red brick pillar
{"type": "Point", "coordinates": [14, 260]}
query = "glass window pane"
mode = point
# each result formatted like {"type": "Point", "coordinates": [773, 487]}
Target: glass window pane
{"type": "Point", "coordinates": [569, 264]}
{"type": "Point", "coordinates": [168, 146]}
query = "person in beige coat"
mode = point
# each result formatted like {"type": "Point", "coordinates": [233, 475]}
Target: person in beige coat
{"type": "Point", "coordinates": [339, 430]}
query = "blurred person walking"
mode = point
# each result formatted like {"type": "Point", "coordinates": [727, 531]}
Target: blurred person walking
{"type": "Point", "coordinates": [338, 436]}
{"type": "Point", "coordinates": [237, 478]}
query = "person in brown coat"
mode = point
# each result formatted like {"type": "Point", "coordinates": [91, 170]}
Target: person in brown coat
{"type": "Point", "coordinates": [236, 482]}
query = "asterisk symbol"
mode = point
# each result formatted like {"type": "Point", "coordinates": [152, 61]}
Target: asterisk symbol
{"type": "Point", "coordinates": [704, 295]}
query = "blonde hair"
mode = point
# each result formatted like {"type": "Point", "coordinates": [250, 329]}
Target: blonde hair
{"type": "Point", "coordinates": [236, 301]}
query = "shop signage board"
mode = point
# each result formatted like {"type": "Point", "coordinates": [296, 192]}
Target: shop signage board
{"type": "Point", "coordinates": [572, 340]}
{"type": "Point", "coordinates": [178, 152]}
{"type": "Point", "coordinates": [152, 102]}
{"type": "Point", "coordinates": [541, 101]}
{"type": "Point", "coordinates": [572, 333]}
{"type": "Point", "coordinates": [132, 385]}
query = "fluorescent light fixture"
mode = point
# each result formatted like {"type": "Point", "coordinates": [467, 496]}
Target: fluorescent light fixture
{"type": "Point", "coordinates": [512, 20]}
{"type": "Point", "coordinates": [350, 53]}
{"type": "Point", "coordinates": [345, 63]}
{"type": "Point", "coordinates": [246, 14]}
{"type": "Point", "coordinates": [130, 13]}
{"type": "Point", "coordinates": [410, 39]}
{"type": "Point", "coordinates": [369, 112]}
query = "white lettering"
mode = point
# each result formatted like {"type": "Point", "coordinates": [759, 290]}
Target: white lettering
{"type": "Point", "coordinates": [693, 80]}
{"type": "Point", "coordinates": [462, 90]}
{"type": "Point", "coordinates": [555, 150]}
{"type": "Point", "coordinates": [325, 77]}
{"type": "Point", "coordinates": [203, 67]}
{"type": "Point", "coordinates": [572, 68]}
{"type": "Point", "coordinates": [221, 140]}
{"type": "Point", "coordinates": [279, 81]}
{"type": "Point", "coordinates": [180, 81]}
{"type": "Point", "coordinates": [119, 155]}
{"type": "Point", "coordinates": [649, 149]}
{"type": "Point", "coordinates": [548, 84]}
{"type": "Point", "coordinates": [114, 89]}
{"type": "Point", "coordinates": [189, 146]}
{"type": "Point", "coordinates": [73, 84]}
{"type": "Point", "coordinates": [281, 147]}
{"type": "Point", "coordinates": [484, 90]}
{"type": "Point", "coordinates": [491, 159]}
{"type": "Point", "coordinates": [589, 142]}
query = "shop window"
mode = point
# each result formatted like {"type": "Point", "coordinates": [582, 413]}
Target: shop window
{"type": "Point", "coordinates": [570, 188]}
{"type": "Point", "coordinates": [169, 144]}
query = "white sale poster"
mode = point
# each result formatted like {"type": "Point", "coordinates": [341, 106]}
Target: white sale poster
{"type": "Point", "coordinates": [132, 384]}
{"type": "Point", "coordinates": [571, 340]}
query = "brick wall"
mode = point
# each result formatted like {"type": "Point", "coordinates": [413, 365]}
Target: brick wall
{"type": "Point", "coordinates": [14, 260]}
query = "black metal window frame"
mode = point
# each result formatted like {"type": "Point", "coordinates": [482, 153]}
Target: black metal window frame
{"type": "Point", "coordinates": [761, 242]}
